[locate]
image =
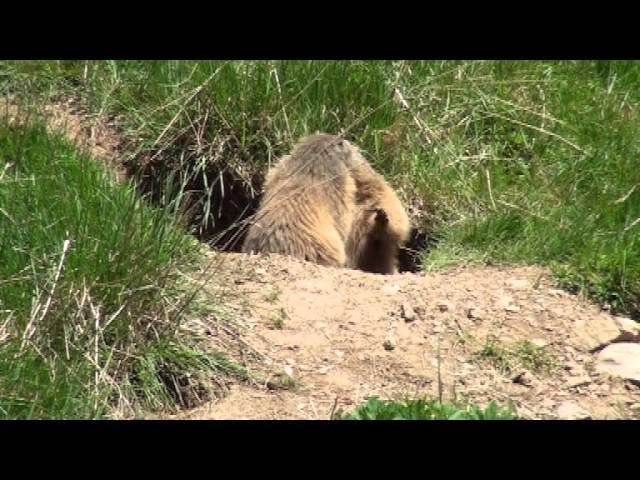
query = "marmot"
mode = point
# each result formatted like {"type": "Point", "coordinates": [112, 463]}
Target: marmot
{"type": "Point", "coordinates": [324, 203]}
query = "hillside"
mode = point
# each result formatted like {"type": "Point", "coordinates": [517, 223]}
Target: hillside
{"type": "Point", "coordinates": [520, 284]}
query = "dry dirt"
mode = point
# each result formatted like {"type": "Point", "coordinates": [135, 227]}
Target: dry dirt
{"type": "Point", "coordinates": [342, 335]}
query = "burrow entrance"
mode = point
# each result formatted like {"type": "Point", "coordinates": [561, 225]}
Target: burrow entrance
{"type": "Point", "coordinates": [222, 192]}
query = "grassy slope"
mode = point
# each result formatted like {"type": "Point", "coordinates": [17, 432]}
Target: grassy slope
{"type": "Point", "coordinates": [91, 327]}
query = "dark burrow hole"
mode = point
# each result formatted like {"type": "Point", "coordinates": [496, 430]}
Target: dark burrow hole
{"type": "Point", "coordinates": [410, 257]}
{"type": "Point", "coordinates": [220, 202]}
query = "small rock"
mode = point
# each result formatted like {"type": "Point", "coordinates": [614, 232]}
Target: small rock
{"type": "Point", "coordinates": [391, 289]}
{"type": "Point", "coordinates": [288, 371]}
{"type": "Point", "coordinates": [389, 345]}
{"type": "Point", "coordinates": [574, 382]}
{"type": "Point", "coordinates": [512, 308]}
{"type": "Point", "coordinates": [576, 369]}
{"type": "Point", "coordinates": [540, 308]}
{"type": "Point", "coordinates": [475, 313]}
{"type": "Point", "coordinates": [517, 284]}
{"type": "Point", "coordinates": [407, 312]}
{"type": "Point", "coordinates": [548, 403]}
{"type": "Point", "coordinates": [443, 306]}
{"type": "Point", "coordinates": [629, 329]}
{"type": "Point", "coordinates": [572, 411]}
{"type": "Point", "coordinates": [339, 354]}
{"type": "Point", "coordinates": [260, 271]}
{"type": "Point", "coordinates": [558, 292]}
{"type": "Point", "coordinates": [596, 332]}
{"type": "Point", "coordinates": [620, 360]}
{"type": "Point", "coordinates": [539, 342]}
{"type": "Point", "coordinates": [523, 378]}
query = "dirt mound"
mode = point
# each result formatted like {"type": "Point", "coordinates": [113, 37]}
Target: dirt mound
{"type": "Point", "coordinates": [338, 336]}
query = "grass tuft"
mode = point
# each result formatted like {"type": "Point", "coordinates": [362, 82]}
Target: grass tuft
{"type": "Point", "coordinates": [426, 409]}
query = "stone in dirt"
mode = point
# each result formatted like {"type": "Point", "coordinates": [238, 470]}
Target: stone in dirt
{"type": "Point", "coordinates": [620, 360]}
{"type": "Point", "coordinates": [539, 342]}
{"type": "Point", "coordinates": [517, 284]}
{"type": "Point", "coordinates": [389, 345]}
{"type": "Point", "coordinates": [558, 292]}
{"type": "Point", "coordinates": [391, 289]}
{"type": "Point", "coordinates": [630, 329]}
{"type": "Point", "coordinates": [443, 306]}
{"type": "Point", "coordinates": [524, 379]}
{"type": "Point", "coordinates": [407, 312]}
{"type": "Point", "coordinates": [572, 411]}
{"type": "Point", "coordinates": [578, 381]}
{"type": "Point", "coordinates": [595, 332]}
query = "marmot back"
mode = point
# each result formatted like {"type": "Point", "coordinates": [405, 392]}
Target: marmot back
{"type": "Point", "coordinates": [308, 204]}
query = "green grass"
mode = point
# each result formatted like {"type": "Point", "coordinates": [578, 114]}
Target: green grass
{"type": "Point", "coordinates": [426, 409]}
{"type": "Point", "coordinates": [509, 161]}
{"type": "Point", "coordinates": [522, 355]}
{"type": "Point", "coordinates": [86, 296]}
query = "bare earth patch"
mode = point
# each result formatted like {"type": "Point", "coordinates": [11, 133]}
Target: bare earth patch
{"type": "Point", "coordinates": [338, 336]}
